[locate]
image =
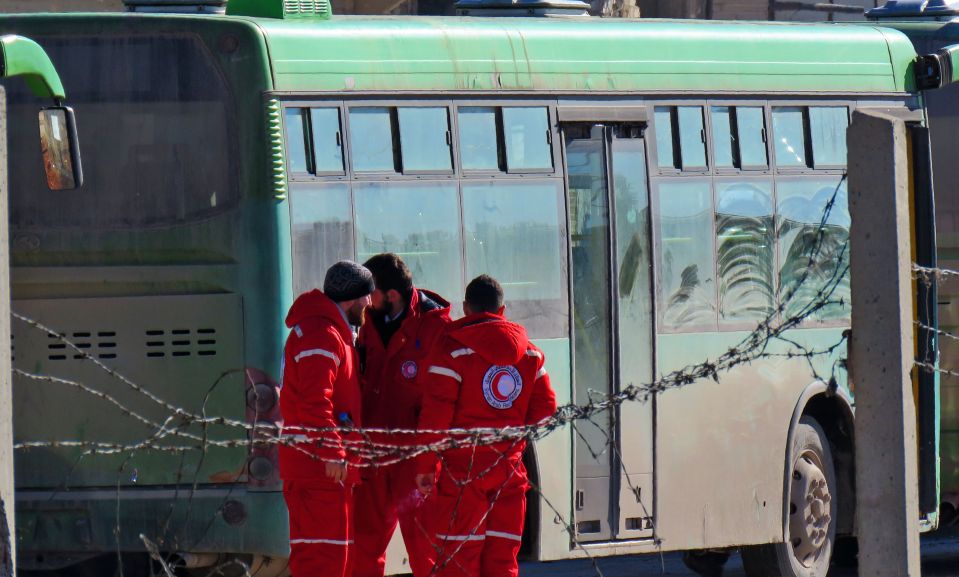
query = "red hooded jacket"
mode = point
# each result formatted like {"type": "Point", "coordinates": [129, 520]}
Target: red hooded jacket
{"type": "Point", "coordinates": [485, 373]}
{"type": "Point", "coordinates": [391, 379]}
{"type": "Point", "coordinates": [320, 384]}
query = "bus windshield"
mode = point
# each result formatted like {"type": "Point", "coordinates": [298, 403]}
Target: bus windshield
{"type": "Point", "coordinates": [154, 113]}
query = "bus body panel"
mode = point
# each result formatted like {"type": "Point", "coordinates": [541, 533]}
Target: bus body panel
{"type": "Point", "coordinates": [752, 405]}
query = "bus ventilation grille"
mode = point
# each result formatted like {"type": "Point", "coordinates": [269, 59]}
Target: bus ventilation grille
{"type": "Point", "coordinates": [96, 344]}
{"type": "Point", "coordinates": [294, 8]}
{"type": "Point", "coordinates": [180, 342]}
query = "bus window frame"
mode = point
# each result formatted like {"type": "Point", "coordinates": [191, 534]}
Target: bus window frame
{"type": "Point", "coordinates": [441, 103]}
{"type": "Point", "coordinates": [810, 322]}
{"type": "Point", "coordinates": [348, 106]}
{"type": "Point", "coordinates": [322, 176]}
{"type": "Point", "coordinates": [552, 119]}
{"type": "Point", "coordinates": [754, 170]}
{"type": "Point", "coordinates": [308, 147]}
{"type": "Point", "coordinates": [657, 171]}
{"type": "Point", "coordinates": [343, 143]}
{"type": "Point", "coordinates": [812, 101]}
{"type": "Point", "coordinates": [812, 147]}
{"type": "Point", "coordinates": [657, 175]}
{"type": "Point", "coordinates": [458, 177]}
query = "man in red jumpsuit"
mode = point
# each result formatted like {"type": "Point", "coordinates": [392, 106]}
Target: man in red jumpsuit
{"type": "Point", "coordinates": [401, 327]}
{"type": "Point", "coordinates": [320, 390]}
{"type": "Point", "coordinates": [484, 373]}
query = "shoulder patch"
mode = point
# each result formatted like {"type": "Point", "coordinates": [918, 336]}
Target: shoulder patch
{"type": "Point", "coordinates": [501, 386]}
{"type": "Point", "coordinates": [409, 369]}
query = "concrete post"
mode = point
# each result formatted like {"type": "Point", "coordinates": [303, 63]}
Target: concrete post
{"type": "Point", "coordinates": [881, 350]}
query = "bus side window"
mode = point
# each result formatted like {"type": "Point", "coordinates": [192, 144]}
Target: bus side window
{"type": "Point", "coordinates": [322, 230]}
{"type": "Point", "coordinates": [425, 142]}
{"type": "Point", "coordinates": [687, 285]}
{"type": "Point", "coordinates": [297, 141]}
{"type": "Point", "coordinates": [372, 145]}
{"type": "Point", "coordinates": [789, 130]}
{"type": "Point", "coordinates": [420, 221]}
{"type": "Point", "coordinates": [681, 138]}
{"type": "Point", "coordinates": [515, 232]}
{"type": "Point", "coordinates": [827, 128]}
{"type": "Point", "coordinates": [666, 151]}
{"type": "Point", "coordinates": [692, 137]}
{"type": "Point", "coordinates": [739, 137]}
{"type": "Point", "coordinates": [745, 237]}
{"type": "Point", "coordinates": [801, 204]}
{"type": "Point", "coordinates": [479, 144]}
{"type": "Point", "coordinates": [751, 132]}
{"type": "Point", "coordinates": [527, 136]}
{"type": "Point", "coordinates": [327, 141]}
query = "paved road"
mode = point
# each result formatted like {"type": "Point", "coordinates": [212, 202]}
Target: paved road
{"type": "Point", "coordinates": [940, 558]}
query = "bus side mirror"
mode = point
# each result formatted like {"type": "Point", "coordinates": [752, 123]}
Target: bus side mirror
{"type": "Point", "coordinates": [60, 148]}
{"type": "Point", "coordinates": [938, 69]}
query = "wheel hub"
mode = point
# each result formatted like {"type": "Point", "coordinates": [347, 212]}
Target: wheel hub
{"type": "Point", "coordinates": [809, 508]}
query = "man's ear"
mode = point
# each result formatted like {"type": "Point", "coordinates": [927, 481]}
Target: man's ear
{"type": "Point", "coordinates": [501, 311]}
{"type": "Point", "coordinates": [466, 309]}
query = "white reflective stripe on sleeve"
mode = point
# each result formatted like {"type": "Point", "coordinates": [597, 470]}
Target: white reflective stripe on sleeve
{"type": "Point", "coordinates": [504, 535]}
{"type": "Point", "coordinates": [532, 353]}
{"type": "Point", "coordinates": [446, 373]}
{"type": "Point", "coordinates": [541, 373]}
{"type": "Point", "coordinates": [319, 542]}
{"type": "Point", "coordinates": [321, 352]}
{"type": "Point", "coordinates": [298, 331]}
{"type": "Point", "coordinates": [461, 537]}
{"type": "Point", "coordinates": [461, 352]}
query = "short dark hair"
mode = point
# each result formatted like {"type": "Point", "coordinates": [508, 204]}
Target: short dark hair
{"type": "Point", "coordinates": [391, 273]}
{"type": "Point", "coordinates": [484, 294]}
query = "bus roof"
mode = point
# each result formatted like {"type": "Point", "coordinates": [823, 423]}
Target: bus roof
{"type": "Point", "coordinates": [350, 53]}
{"type": "Point", "coordinates": [368, 54]}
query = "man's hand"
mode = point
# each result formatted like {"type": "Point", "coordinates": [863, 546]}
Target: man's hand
{"type": "Point", "coordinates": [424, 482]}
{"type": "Point", "coordinates": [336, 471]}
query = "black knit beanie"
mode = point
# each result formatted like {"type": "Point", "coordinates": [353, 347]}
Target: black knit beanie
{"type": "Point", "coordinates": [347, 280]}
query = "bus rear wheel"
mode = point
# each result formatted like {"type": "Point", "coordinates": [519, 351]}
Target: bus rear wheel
{"type": "Point", "coordinates": [811, 507]}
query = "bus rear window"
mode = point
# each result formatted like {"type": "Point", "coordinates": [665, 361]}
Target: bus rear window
{"type": "Point", "coordinates": [154, 118]}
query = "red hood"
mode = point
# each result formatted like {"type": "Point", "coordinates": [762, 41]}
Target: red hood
{"type": "Point", "coordinates": [494, 338]}
{"type": "Point", "coordinates": [317, 304]}
{"type": "Point", "coordinates": [435, 305]}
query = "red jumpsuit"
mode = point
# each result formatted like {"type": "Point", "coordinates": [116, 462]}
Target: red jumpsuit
{"type": "Point", "coordinates": [484, 373]}
{"type": "Point", "coordinates": [320, 385]}
{"type": "Point", "coordinates": [391, 399]}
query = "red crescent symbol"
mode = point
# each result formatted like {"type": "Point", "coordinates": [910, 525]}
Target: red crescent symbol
{"type": "Point", "coordinates": [494, 386]}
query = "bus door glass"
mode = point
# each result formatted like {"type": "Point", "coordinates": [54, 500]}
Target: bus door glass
{"type": "Point", "coordinates": [612, 327]}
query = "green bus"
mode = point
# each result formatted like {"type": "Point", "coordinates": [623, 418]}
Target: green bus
{"type": "Point", "coordinates": [646, 191]}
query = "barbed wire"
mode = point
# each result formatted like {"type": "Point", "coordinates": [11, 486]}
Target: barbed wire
{"type": "Point", "coordinates": [370, 448]}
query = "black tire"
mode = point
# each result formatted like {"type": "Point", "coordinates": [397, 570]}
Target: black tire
{"type": "Point", "coordinates": [802, 555]}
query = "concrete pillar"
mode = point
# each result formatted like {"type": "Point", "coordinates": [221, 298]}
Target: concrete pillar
{"type": "Point", "coordinates": [881, 350]}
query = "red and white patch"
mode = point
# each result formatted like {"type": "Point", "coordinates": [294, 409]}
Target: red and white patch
{"type": "Point", "coordinates": [409, 369]}
{"type": "Point", "coordinates": [501, 386]}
